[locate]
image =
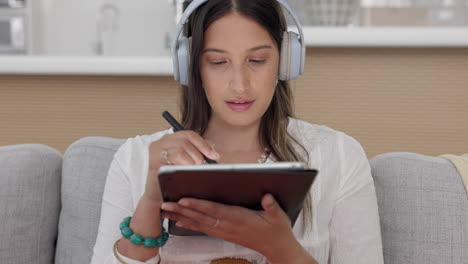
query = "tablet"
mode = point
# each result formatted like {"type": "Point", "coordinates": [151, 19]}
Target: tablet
{"type": "Point", "coordinates": [237, 184]}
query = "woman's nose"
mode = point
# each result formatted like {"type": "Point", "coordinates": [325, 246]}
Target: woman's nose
{"type": "Point", "coordinates": [240, 80]}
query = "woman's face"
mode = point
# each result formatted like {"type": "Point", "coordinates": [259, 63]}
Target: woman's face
{"type": "Point", "coordinates": [238, 65]}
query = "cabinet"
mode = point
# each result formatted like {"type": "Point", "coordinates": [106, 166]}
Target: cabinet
{"type": "Point", "coordinates": [15, 27]}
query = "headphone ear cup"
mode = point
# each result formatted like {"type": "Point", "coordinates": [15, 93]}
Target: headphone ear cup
{"type": "Point", "coordinates": [183, 58]}
{"type": "Point", "coordinates": [290, 57]}
{"type": "Point", "coordinates": [284, 58]}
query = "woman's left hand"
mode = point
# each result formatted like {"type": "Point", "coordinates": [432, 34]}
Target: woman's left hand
{"type": "Point", "coordinates": [267, 232]}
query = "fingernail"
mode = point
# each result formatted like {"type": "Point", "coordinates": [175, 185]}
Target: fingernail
{"type": "Point", "coordinates": [184, 203]}
{"type": "Point", "coordinates": [269, 199]}
{"type": "Point", "coordinates": [214, 154]}
{"type": "Point", "coordinates": [166, 206]}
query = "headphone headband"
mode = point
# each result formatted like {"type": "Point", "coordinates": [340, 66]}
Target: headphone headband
{"type": "Point", "coordinates": [196, 3]}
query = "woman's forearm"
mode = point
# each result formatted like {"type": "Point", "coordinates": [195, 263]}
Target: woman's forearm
{"type": "Point", "coordinates": [146, 221]}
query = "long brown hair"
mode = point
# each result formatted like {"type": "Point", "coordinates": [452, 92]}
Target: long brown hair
{"type": "Point", "coordinates": [195, 109]}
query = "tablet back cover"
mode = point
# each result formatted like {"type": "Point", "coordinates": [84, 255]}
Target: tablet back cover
{"type": "Point", "coordinates": [241, 188]}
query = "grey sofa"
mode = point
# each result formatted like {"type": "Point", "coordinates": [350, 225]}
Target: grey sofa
{"type": "Point", "coordinates": [50, 205]}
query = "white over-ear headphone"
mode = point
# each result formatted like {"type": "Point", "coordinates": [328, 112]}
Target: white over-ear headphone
{"type": "Point", "coordinates": [292, 55]}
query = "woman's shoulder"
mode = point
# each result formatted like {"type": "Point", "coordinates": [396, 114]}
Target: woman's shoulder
{"type": "Point", "coordinates": [312, 135]}
{"type": "Point", "coordinates": [333, 152]}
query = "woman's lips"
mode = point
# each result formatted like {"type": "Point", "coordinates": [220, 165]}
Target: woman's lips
{"type": "Point", "coordinates": [240, 107]}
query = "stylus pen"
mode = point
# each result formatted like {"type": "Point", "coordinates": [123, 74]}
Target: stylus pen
{"type": "Point", "coordinates": [178, 127]}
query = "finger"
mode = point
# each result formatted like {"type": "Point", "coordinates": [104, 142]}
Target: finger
{"type": "Point", "coordinates": [271, 206]}
{"type": "Point", "coordinates": [184, 222]}
{"type": "Point", "coordinates": [170, 216]}
{"type": "Point", "coordinates": [181, 221]}
{"type": "Point", "coordinates": [195, 226]}
{"type": "Point", "coordinates": [175, 151]}
{"type": "Point", "coordinates": [181, 157]}
{"type": "Point", "coordinates": [175, 217]}
{"type": "Point", "coordinates": [193, 152]}
{"type": "Point", "coordinates": [191, 214]}
{"type": "Point", "coordinates": [202, 145]}
{"type": "Point", "coordinates": [215, 210]}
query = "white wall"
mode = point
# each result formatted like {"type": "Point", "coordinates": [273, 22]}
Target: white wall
{"type": "Point", "coordinates": [35, 29]}
{"type": "Point", "coordinates": [69, 27]}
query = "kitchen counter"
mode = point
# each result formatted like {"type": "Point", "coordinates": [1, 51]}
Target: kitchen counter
{"type": "Point", "coordinates": [162, 66]}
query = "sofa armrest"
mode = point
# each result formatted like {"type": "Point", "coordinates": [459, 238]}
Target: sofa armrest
{"type": "Point", "coordinates": [423, 209]}
{"type": "Point", "coordinates": [29, 203]}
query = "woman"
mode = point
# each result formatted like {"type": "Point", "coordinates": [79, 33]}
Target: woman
{"type": "Point", "coordinates": [239, 112]}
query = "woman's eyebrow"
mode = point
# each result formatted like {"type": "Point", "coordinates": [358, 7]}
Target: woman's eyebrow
{"type": "Point", "coordinates": [213, 50]}
{"type": "Point", "coordinates": [251, 49]}
{"type": "Point", "coordinates": [260, 47]}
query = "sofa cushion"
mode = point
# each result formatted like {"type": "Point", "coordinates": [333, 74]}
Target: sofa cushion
{"type": "Point", "coordinates": [423, 209]}
{"type": "Point", "coordinates": [29, 203]}
{"type": "Point", "coordinates": [85, 166]}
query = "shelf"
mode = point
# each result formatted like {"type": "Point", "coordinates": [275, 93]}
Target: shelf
{"type": "Point", "coordinates": [162, 66]}
{"type": "Point", "coordinates": [386, 37]}
{"type": "Point", "coordinates": [86, 65]}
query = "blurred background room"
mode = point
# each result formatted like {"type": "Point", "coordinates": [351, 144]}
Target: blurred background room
{"type": "Point", "coordinates": [391, 73]}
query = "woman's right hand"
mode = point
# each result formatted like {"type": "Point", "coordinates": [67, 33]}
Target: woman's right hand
{"type": "Point", "coordinates": [183, 148]}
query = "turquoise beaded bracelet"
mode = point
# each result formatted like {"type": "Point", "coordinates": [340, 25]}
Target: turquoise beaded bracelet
{"type": "Point", "coordinates": [139, 240]}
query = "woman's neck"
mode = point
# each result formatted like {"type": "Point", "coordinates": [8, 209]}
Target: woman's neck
{"type": "Point", "coordinates": [226, 138]}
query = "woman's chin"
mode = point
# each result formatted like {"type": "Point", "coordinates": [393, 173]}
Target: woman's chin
{"type": "Point", "coordinates": [241, 120]}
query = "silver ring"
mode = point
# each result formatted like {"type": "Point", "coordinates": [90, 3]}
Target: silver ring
{"type": "Point", "coordinates": [216, 224]}
{"type": "Point", "coordinates": [164, 155]}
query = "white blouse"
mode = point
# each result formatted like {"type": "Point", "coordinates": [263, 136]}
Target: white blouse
{"type": "Point", "coordinates": [345, 221]}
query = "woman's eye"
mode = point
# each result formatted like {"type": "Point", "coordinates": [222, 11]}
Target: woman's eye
{"type": "Point", "coordinates": [258, 61]}
{"type": "Point", "coordinates": [217, 62]}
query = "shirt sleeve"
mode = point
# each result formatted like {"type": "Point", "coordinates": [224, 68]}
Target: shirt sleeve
{"type": "Point", "coordinates": [155, 260]}
{"type": "Point", "coordinates": [355, 235]}
{"type": "Point", "coordinates": [116, 205]}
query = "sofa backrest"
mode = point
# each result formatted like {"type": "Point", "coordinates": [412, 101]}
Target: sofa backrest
{"type": "Point", "coordinates": [85, 166]}
{"type": "Point", "coordinates": [29, 203]}
{"type": "Point", "coordinates": [423, 209]}
{"type": "Point", "coordinates": [423, 205]}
